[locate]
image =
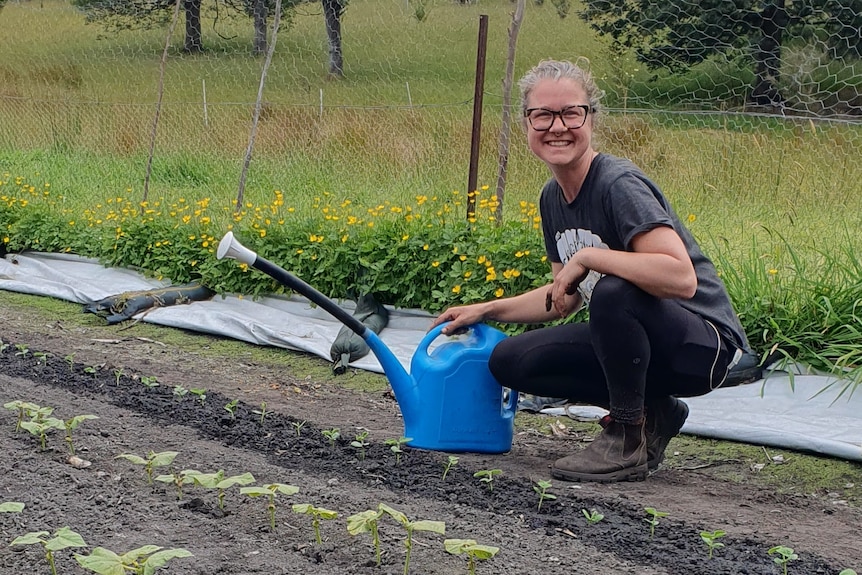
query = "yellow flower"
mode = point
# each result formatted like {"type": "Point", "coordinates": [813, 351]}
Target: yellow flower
{"type": "Point", "coordinates": [205, 244]}
{"type": "Point", "coordinates": [434, 264]}
{"type": "Point", "coordinates": [462, 257]}
{"type": "Point", "coordinates": [72, 223]}
{"type": "Point", "coordinates": [467, 274]}
{"type": "Point", "coordinates": [262, 233]}
{"type": "Point", "coordinates": [299, 251]}
{"type": "Point", "coordinates": [5, 239]}
{"type": "Point", "coordinates": [691, 218]}
{"type": "Point", "coordinates": [405, 237]}
{"type": "Point", "coordinates": [456, 289]}
{"type": "Point", "coordinates": [344, 238]}
{"type": "Point", "coordinates": [499, 292]}
{"type": "Point", "coordinates": [425, 247]}
{"type": "Point", "coordinates": [481, 259]}
{"type": "Point", "coordinates": [773, 271]}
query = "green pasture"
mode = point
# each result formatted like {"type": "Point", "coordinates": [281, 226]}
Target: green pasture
{"type": "Point", "coordinates": [362, 181]}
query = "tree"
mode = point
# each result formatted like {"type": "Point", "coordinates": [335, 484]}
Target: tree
{"type": "Point", "coordinates": [332, 12]}
{"type": "Point", "coordinates": [677, 34]}
{"type": "Point", "coordinates": [119, 15]}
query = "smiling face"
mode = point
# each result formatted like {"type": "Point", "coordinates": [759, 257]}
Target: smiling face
{"type": "Point", "coordinates": [560, 147]}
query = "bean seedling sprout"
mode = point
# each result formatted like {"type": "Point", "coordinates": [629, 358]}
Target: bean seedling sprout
{"type": "Point", "coordinates": [450, 462]}
{"type": "Point", "coordinates": [711, 540]}
{"type": "Point", "coordinates": [367, 522]}
{"type": "Point", "coordinates": [317, 513]}
{"type": "Point", "coordinates": [652, 519]}
{"type": "Point", "coordinates": [784, 556]}
{"type": "Point", "coordinates": [473, 550]}
{"type": "Point", "coordinates": [411, 526]}
{"type": "Point", "coordinates": [63, 538]}
{"type": "Point", "coordinates": [269, 491]}
{"type": "Point", "coordinates": [487, 476]}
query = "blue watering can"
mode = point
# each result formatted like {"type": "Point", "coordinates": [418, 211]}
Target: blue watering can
{"type": "Point", "coordinates": [449, 400]}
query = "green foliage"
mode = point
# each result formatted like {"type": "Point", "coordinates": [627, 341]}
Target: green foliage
{"type": "Point", "coordinates": [63, 538]}
{"type": "Point", "coordinates": [473, 550]}
{"type": "Point", "coordinates": [317, 513]}
{"type": "Point", "coordinates": [451, 461]}
{"type": "Point", "coordinates": [367, 522]}
{"type": "Point", "coordinates": [783, 556]}
{"type": "Point", "coordinates": [179, 479]}
{"type": "Point", "coordinates": [152, 461]}
{"type": "Point", "coordinates": [11, 507]}
{"type": "Point", "coordinates": [410, 527]}
{"type": "Point", "coordinates": [541, 487]}
{"type": "Point", "coordinates": [395, 446]}
{"type": "Point", "coordinates": [24, 409]}
{"type": "Point", "coordinates": [360, 443]}
{"type": "Point", "coordinates": [270, 491]}
{"type": "Point", "coordinates": [41, 427]}
{"type": "Point", "coordinates": [652, 519]}
{"type": "Point", "coordinates": [144, 560]}
{"type": "Point", "coordinates": [487, 476]}
{"type": "Point", "coordinates": [592, 516]}
{"type": "Point", "coordinates": [221, 483]}
{"type": "Point", "coordinates": [331, 435]}
{"type": "Point", "coordinates": [72, 424]}
{"type": "Point", "coordinates": [710, 538]}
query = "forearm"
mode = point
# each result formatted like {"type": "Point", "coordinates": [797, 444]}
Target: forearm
{"type": "Point", "coordinates": [528, 307]}
{"type": "Point", "coordinates": [658, 274]}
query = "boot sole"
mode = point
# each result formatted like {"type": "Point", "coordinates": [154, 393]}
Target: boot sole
{"type": "Point", "coordinates": [638, 473]}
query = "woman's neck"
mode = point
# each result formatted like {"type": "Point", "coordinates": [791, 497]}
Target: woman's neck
{"type": "Point", "coordinates": [571, 177]}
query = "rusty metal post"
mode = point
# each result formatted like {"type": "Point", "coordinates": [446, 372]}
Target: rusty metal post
{"type": "Point", "coordinates": [478, 93]}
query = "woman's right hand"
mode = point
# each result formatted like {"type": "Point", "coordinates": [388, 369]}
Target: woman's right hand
{"type": "Point", "coordinates": [461, 317]}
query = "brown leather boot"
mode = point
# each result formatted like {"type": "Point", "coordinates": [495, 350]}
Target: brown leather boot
{"type": "Point", "coordinates": [664, 418]}
{"type": "Point", "coordinates": [618, 454]}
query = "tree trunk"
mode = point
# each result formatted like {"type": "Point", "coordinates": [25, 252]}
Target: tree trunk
{"type": "Point", "coordinates": [259, 11]}
{"type": "Point", "coordinates": [193, 43]}
{"type": "Point", "coordinates": [332, 10]}
{"type": "Point", "coordinates": [767, 54]}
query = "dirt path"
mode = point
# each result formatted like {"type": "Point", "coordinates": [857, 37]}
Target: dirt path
{"type": "Point", "coordinates": [110, 504]}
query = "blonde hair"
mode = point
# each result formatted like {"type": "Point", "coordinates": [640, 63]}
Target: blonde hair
{"type": "Point", "coordinates": [559, 69]}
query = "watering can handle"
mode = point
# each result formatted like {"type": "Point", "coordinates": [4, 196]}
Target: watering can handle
{"type": "Point", "coordinates": [431, 336]}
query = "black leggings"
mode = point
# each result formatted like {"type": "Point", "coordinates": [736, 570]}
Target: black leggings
{"type": "Point", "coordinates": [635, 348]}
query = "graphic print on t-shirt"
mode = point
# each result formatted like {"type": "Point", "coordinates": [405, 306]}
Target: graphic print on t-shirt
{"type": "Point", "coordinates": [570, 242]}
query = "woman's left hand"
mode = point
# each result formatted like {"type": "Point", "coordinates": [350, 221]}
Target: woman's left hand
{"type": "Point", "coordinates": [566, 284]}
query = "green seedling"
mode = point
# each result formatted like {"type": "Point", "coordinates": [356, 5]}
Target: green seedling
{"type": "Point", "coordinates": [23, 350]}
{"type": "Point", "coordinates": [317, 513]}
{"type": "Point", "coordinates": [847, 572]}
{"type": "Point", "coordinates": [72, 424]}
{"type": "Point", "coordinates": [450, 462]}
{"type": "Point", "coordinates": [200, 393]}
{"type": "Point", "coordinates": [92, 370]}
{"type": "Point", "coordinates": [410, 527]}
{"type": "Point", "coordinates": [332, 435]}
{"type": "Point", "coordinates": [11, 507]}
{"type": "Point", "coordinates": [298, 425]}
{"type": "Point", "coordinates": [24, 408]}
{"type": "Point", "coordinates": [269, 491]}
{"type": "Point", "coordinates": [63, 538]}
{"type": "Point", "coordinates": [141, 561]}
{"type": "Point", "coordinates": [3, 345]}
{"type": "Point", "coordinates": [395, 447]}
{"type": "Point", "coordinates": [360, 443]}
{"type": "Point", "coordinates": [784, 556]}
{"type": "Point", "coordinates": [592, 516]}
{"type": "Point", "coordinates": [473, 550]}
{"type": "Point", "coordinates": [487, 476]}
{"type": "Point", "coordinates": [70, 359]}
{"type": "Point", "coordinates": [41, 357]}
{"type": "Point", "coordinates": [367, 522]}
{"type": "Point", "coordinates": [184, 477]}
{"type": "Point", "coordinates": [41, 428]}
{"type": "Point", "coordinates": [711, 540]}
{"type": "Point", "coordinates": [652, 518]}
{"type": "Point", "coordinates": [218, 481]}
{"type": "Point", "coordinates": [230, 407]}
{"type": "Point", "coordinates": [541, 487]}
{"type": "Point", "coordinates": [180, 391]}
{"type": "Point", "coordinates": [118, 373]}
{"type": "Point", "coordinates": [149, 381]}
{"type": "Point", "coordinates": [152, 461]}
{"type": "Point", "coordinates": [262, 412]}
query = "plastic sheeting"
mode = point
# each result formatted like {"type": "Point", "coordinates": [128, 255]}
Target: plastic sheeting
{"type": "Point", "coordinates": [770, 412]}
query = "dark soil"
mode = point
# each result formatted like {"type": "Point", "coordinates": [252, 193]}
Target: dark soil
{"type": "Point", "coordinates": [111, 505]}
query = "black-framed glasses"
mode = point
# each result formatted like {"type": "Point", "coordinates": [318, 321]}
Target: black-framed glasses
{"type": "Point", "coordinates": [572, 117]}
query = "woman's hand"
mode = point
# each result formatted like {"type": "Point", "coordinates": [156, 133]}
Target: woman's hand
{"type": "Point", "coordinates": [563, 295]}
{"type": "Point", "coordinates": [461, 317]}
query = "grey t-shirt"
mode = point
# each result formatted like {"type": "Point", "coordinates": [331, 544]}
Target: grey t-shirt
{"type": "Point", "coordinates": [616, 202]}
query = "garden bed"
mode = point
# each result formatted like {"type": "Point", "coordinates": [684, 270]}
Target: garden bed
{"type": "Point", "coordinates": [99, 371]}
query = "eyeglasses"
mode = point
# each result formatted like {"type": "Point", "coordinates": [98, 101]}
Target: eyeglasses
{"type": "Point", "coordinates": [572, 117]}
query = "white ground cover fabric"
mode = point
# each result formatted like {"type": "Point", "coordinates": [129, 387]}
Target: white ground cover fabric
{"type": "Point", "coordinates": [780, 411]}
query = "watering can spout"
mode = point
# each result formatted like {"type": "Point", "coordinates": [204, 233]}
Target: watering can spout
{"type": "Point", "coordinates": [403, 385]}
